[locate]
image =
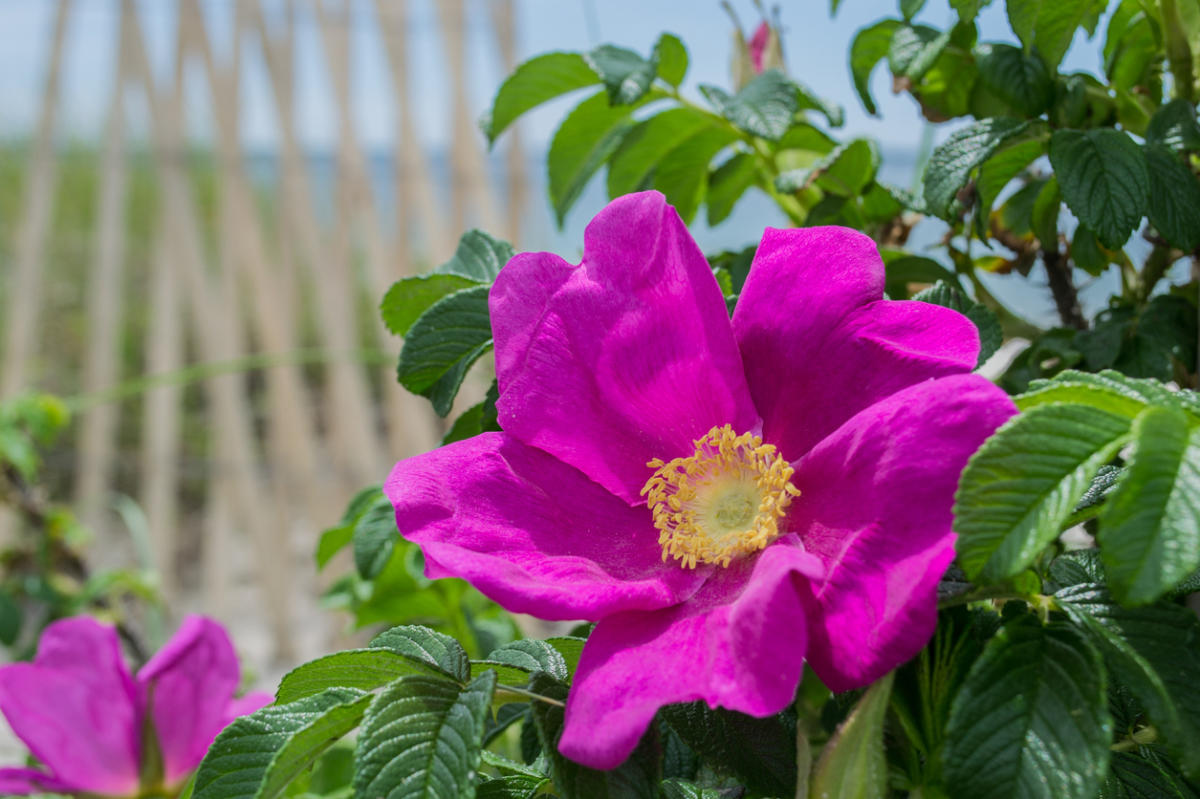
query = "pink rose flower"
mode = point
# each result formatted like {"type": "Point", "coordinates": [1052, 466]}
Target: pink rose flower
{"type": "Point", "coordinates": [82, 714]}
{"type": "Point", "coordinates": [727, 498]}
{"type": "Point", "coordinates": [758, 45]}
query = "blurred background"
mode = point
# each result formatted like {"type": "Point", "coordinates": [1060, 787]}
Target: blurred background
{"type": "Point", "coordinates": [202, 202]}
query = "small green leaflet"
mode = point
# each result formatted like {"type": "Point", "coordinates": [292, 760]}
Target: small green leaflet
{"type": "Point", "coordinates": [672, 59]}
{"type": "Point", "coordinates": [1048, 26]}
{"type": "Point", "coordinates": [1131, 776]}
{"type": "Point", "coordinates": [1104, 180]}
{"type": "Point", "coordinates": [361, 669]}
{"type": "Point", "coordinates": [1175, 126]}
{"type": "Point", "coordinates": [587, 138]}
{"type": "Point", "coordinates": [256, 756]}
{"type": "Point", "coordinates": [536, 81]}
{"type": "Point", "coordinates": [682, 174]}
{"type": "Point", "coordinates": [955, 159]}
{"type": "Point", "coordinates": [443, 344]}
{"type": "Point", "coordinates": [1019, 79]}
{"type": "Point", "coordinates": [845, 171]}
{"type": "Point", "coordinates": [646, 145]}
{"type": "Point", "coordinates": [727, 183]}
{"type": "Point", "coordinates": [374, 538]}
{"type": "Point", "coordinates": [869, 47]}
{"type": "Point", "coordinates": [1031, 718]}
{"type": "Point", "coordinates": [420, 739]}
{"type": "Point", "coordinates": [425, 645]}
{"type": "Point", "coordinates": [914, 49]}
{"type": "Point", "coordinates": [1174, 205]}
{"type": "Point", "coordinates": [625, 74]}
{"type": "Point", "coordinates": [764, 107]}
{"type": "Point", "coordinates": [853, 764]}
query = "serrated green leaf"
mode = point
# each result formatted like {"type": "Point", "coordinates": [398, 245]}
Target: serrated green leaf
{"type": "Point", "coordinates": [1022, 485]}
{"type": "Point", "coordinates": [513, 786]}
{"type": "Point", "coordinates": [846, 171]}
{"type": "Point", "coordinates": [954, 160]}
{"type": "Point", "coordinates": [587, 138]}
{"type": "Point", "coordinates": [718, 736]}
{"type": "Point", "coordinates": [1103, 178]}
{"type": "Point", "coordinates": [682, 174]}
{"type": "Point", "coordinates": [984, 318]}
{"type": "Point", "coordinates": [1134, 777]}
{"type": "Point", "coordinates": [1175, 126]}
{"type": "Point", "coordinates": [672, 59]}
{"type": "Point", "coordinates": [374, 538]}
{"type": "Point", "coordinates": [410, 297]}
{"type": "Point", "coordinates": [625, 74]}
{"type": "Point", "coordinates": [536, 81]}
{"type": "Point", "coordinates": [1149, 530]}
{"type": "Point", "coordinates": [1108, 390]}
{"type": "Point", "coordinates": [258, 755]}
{"type": "Point", "coordinates": [362, 669]}
{"type": "Point", "coordinates": [478, 257]}
{"type": "Point", "coordinates": [425, 645]}
{"type": "Point", "coordinates": [1031, 718]}
{"type": "Point", "coordinates": [1086, 252]}
{"type": "Point", "coordinates": [902, 269]}
{"type": "Point", "coordinates": [853, 764]}
{"type": "Point", "coordinates": [1174, 205]}
{"type": "Point", "coordinates": [1154, 652]}
{"type": "Point", "coordinates": [420, 739]}
{"type": "Point", "coordinates": [914, 49]}
{"type": "Point", "coordinates": [1076, 567]}
{"type": "Point", "coordinates": [727, 183]}
{"type": "Point", "coordinates": [998, 171]}
{"type": "Point", "coordinates": [646, 145]}
{"type": "Point", "coordinates": [571, 649]}
{"type": "Point", "coordinates": [532, 656]}
{"type": "Point", "coordinates": [678, 789]}
{"type": "Point", "coordinates": [870, 46]}
{"type": "Point", "coordinates": [1020, 80]}
{"type": "Point", "coordinates": [764, 107]}
{"type": "Point", "coordinates": [443, 344]}
{"type": "Point", "coordinates": [808, 100]}
{"type": "Point", "coordinates": [1047, 26]}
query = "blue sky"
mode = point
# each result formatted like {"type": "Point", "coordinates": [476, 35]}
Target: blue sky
{"type": "Point", "coordinates": [816, 48]}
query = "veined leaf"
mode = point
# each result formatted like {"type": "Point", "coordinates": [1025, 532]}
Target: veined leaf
{"type": "Point", "coordinates": [425, 645]}
{"type": "Point", "coordinates": [1048, 26]}
{"type": "Point", "coordinates": [727, 183]}
{"type": "Point", "coordinates": [410, 297]}
{"type": "Point", "coordinates": [1024, 482]}
{"type": "Point", "coordinates": [420, 739]}
{"type": "Point", "coordinates": [478, 257]}
{"type": "Point", "coordinates": [625, 74]}
{"type": "Point", "coordinates": [1134, 777]}
{"type": "Point", "coordinates": [536, 81]}
{"type": "Point", "coordinates": [442, 345]}
{"type": "Point", "coordinates": [1031, 718]}
{"type": "Point", "coordinates": [682, 174]}
{"type": "Point", "coordinates": [764, 107]}
{"type": "Point", "coordinates": [360, 669]}
{"type": "Point", "coordinates": [1103, 178]}
{"type": "Point", "coordinates": [1174, 204]}
{"type": "Point", "coordinates": [914, 49]}
{"type": "Point", "coordinates": [846, 171]}
{"type": "Point", "coordinates": [646, 144]}
{"type": "Point", "coordinates": [1019, 79]}
{"type": "Point", "coordinates": [955, 159]}
{"type": "Point", "coordinates": [853, 764]}
{"type": "Point", "coordinates": [586, 139]}
{"type": "Point", "coordinates": [374, 538]}
{"type": "Point", "coordinates": [672, 59]}
{"type": "Point", "coordinates": [1107, 390]}
{"type": "Point", "coordinates": [1149, 530]}
{"type": "Point", "coordinates": [1175, 126]}
{"type": "Point", "coordinates": [256, 756]}
{"type": "Point", "coordinates": [870, 46]}
{"type": "Point", "coordinates": [1153, 651]}
{"type": "Point", "coordinates": [998, 171]}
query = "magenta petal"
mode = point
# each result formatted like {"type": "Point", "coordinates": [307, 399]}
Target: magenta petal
{"type": "Point", "coordinates": [76, 707]}
{"type": "Point", "coordinates": [531, 532]}
{"type": "Point", "coordinates": [738, 643]}
{"type": "Point", "coordinates": [24, 781]}
{"type": "Point", "coordinates": [807, 341]}
{"type": "Point", "coordinates": [875, 506]}
{"type": "Point", "coordinates": [627, 357]}
{"type": "Point", "coordinates": [190, 682]}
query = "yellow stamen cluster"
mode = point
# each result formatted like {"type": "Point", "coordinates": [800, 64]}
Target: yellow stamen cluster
{"type": "Point", "coordinates": [721, 503]}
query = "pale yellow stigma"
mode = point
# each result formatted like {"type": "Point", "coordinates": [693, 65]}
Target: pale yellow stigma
{"type": "Point", "coordinates": [721, 503]}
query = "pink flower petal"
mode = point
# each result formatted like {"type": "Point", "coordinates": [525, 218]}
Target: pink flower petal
{"type": "Point", "coordinates": [875, 506]}
{"type": "Point", "coordinates": [627, 357]}
{"type": "Point", "coordinates": [76, 707]}
{"type": "Point", "coordinates": [245, 705]}
{"type": "Point", "coordinates": [813, 331]}
{"type": "Point", "coordinates": [190, 682]}
{"type": "Point", "coordinates": [25, 781]}
{"type": "Point", "coordinates": [758, 45]}
{"type": "Point", "coordinates": [738, 643]}
{"type": "Point", "coordinates": [531, 532]}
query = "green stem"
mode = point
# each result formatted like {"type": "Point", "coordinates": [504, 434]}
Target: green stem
{"type": "Point", "coordinates": [1157, 264]}
{"type": "Point", "coordinates": [522, 692]}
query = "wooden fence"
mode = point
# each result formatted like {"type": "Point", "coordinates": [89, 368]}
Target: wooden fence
{"type": "Point", "coordinates": [284, 272]}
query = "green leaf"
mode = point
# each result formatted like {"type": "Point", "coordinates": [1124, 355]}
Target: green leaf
{"type": "Point", "coordinates": [727, 183]}
{"type": "Point", "coordinates": [808, 100]}
{"type": "Point", "coordinates": [852, 764]}
{"type": "Point", "coordinates": [1086, 252]}
{"type": "Point", "coordinates": [421, 738]}
{"type": "Point", "coordinates": [870, 46]}
{"type": "Point", "coordinates": [362, 669]}
{"type": "Point", "coordinates": [1019, 79]}
{"type": "Point", "coordinates": [764, 107]}
{"type": "Point", "coordinates": [1174, 204]}
{"type": "Point", "coordinates": [410, 297]}
{"type": "Point", "coordinates": [647, 143]}
{"type": "Point", "coordinates": [478, 257]}
{"type": "Point", "coordinates": [1149, 530]}
{"type": "Point", "coordinates": [846, 171]}
{"type": "Point", "coordinates": [672, 59]}
{"type": "Point", "coordinates": [442, 345]}
{"type": "Point", "coordinates": [375, 536]}
{"type": "Point", "coordinates": [1043, 219]}
{"type": "Point", "coordinates": [678, 789]}
{"type": "Point", "coordinates": [588, 136]}
{"type": "Point", "coordinates": [637, 777]}
{"type": "Point", "coordinates": [998, 171]}
{"type": "Point", "coordinates": [903, 269]}
{"type": "Point", "coordinates": [1024, 482]}
{"type": "Point", "coordinates": [536, 81]}
{"type": "Point", "coordinates": [1133, 777]}
{"type": "Point", "coordinates": [1107, 390]}
{"type": "Point", "coordinates": [331, 542]}
{"type": "Point", "coordinates": [1175, 126]}
{"type": "Point", "coordinates": [768, 767]}
{"type": "Point", "coordinates": [914, 49]}
{"type": "Point", "coordinates": [531, 656]}
{"type": "Point", "coordinates": [425, 645]}
{"type": "Point", "coordinates": [955, 159]}
{"type": "Point", "coordinates": [469, 423]}
{"type": "Point", "coordinates": [1076, 566]}
{"type": "Point", "coordinates": [1154, 652]}
{"type": "Point", "coordinates": [570, 647]}
{"type": "Point", "coordinates": [1104, 180]}
{"type": "Point", "coordinates": [1031, 718]}
{"type": "Point", "coordinates": [625, 74]}
{"type": "Point", "coordinates": [514, 786]}
{"type": "Point", "coordinates": [1048, 26]}
{"type": "Point", "coordinates": [984, 318]}
{"type": "Point", "coordinates": [10, 618]}
{"type": "Point", "coordinates": [682, 174]}
{"type": "Point", "coordinates": [258, 755]}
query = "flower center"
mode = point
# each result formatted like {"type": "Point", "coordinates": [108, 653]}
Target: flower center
{"type": "Point", "coordinates": [721, 503]}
